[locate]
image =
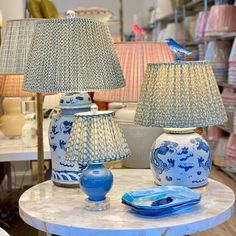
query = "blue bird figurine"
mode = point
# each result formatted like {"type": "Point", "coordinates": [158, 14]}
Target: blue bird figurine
{"type": "Point", "coordinates": [177, 50]}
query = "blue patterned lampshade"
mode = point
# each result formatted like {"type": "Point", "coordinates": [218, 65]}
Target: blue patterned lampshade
{"type": "Point", "coordinates": [15, 46]}
{"type": "Point", "coordinates": [96, 138]}
{"type": "Point", "coordinates": [180, 95]}
{"type": "Point", "coordinates": [70, 55]}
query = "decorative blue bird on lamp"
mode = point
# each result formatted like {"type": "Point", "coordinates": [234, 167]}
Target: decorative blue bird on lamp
{"type": "Point", "coordinates": [178, 50]}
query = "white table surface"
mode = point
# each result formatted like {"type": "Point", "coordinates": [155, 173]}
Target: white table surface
{"type": "Point", "coordinates": [60, 211]}
{"type": "Point", "coordinates": [13, 149]}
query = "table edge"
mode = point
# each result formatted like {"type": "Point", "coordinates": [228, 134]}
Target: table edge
{"type": "Point", "coordinates": [47, 226]}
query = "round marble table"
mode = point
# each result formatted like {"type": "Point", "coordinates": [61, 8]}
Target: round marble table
{"type": "Point", "coordinates": [60, 211]}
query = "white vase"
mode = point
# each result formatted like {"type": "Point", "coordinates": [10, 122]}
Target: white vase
{"type": "Point", "coordinates": [12, 121]}
{"type": "Point", "coordinates": [29, 132]}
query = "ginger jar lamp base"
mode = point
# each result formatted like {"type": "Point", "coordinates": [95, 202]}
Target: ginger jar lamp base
{"type": "Point", "coordinates": [64, 173]}
{"type": "Point", "coordinates": [181, 157]}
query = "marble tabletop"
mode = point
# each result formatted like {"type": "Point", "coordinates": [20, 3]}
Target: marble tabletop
{"type": "Point", "coordinates": [60, 211]}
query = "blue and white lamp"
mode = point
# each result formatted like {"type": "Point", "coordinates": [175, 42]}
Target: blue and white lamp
{"type": "Point", "coordinates": [68, 56]}
{"type": "Point", "coordinates": [65, 174]}
{"type": "Point", "coordinates": [96, 138]}
{"type": "Point", "coordinates": [180, 97]}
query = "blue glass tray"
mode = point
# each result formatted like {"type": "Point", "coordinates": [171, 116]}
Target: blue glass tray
{"type": "Point", "coordinates": [165, 211]}
{"type": "Point", "coordinates": [160, 199]}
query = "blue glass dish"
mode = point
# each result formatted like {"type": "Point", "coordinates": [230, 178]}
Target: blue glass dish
{"type": "Point", "coordinates": [165, 211]}
{"type": "Point", "coordinates": [160, 200]}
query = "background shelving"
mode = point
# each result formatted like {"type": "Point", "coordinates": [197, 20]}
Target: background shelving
{"type": "Point", "coordinates": [177, 17]}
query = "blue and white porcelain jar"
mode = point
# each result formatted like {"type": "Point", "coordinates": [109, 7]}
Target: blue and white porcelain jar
{"type": "Point", "coordinates": [65, 173]}
{"type": "Point", "coordinates": [182, 159]}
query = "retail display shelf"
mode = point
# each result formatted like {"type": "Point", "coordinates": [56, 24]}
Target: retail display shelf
{"type": "Point", "coordinates": [189, 6]}
{"type": "Point", "coordinates": [225, 128]}
{"type": "Point", "coordinates": [222, 36]}
{"type": "Point", "coordinates": [113, 22]}
{"type": "Point", "coordinates": [229, 171]}
{"type": "Point", "coordinates": [193, 43]}
{"type": "Point", "coordinates": [169, 18]}
{"type": "Point", "coordinates": [194, 3]}
{"type": "Point", "coordinates": [226, 85]}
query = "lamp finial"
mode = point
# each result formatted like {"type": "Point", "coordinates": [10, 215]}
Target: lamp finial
{"type": "Point", "coordinates": [70, 14]}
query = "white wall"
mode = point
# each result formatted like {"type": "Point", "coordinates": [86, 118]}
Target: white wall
{"type": "Point", "coordinates": [147, 4]}
{"type": "Point", "coordinates": [130, 7]}
{"type": "Point", "coordinates": [12, 9]}
{"type": "Point", "coordinates": [15, 9]}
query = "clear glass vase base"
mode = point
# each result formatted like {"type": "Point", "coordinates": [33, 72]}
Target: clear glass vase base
{"type": "Point", "coordinates": [97, 205]}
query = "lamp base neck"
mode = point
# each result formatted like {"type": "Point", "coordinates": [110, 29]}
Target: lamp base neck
{"type": "Point", "coordinates": [179, 130]}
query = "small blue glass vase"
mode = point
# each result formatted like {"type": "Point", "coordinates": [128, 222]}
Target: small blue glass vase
{"type": "Point", "coordinates": [64, 173]}
{"type": "Point", "coordinates": [96, 181]}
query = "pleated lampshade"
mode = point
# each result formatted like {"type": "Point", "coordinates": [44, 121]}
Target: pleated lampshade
{"type": "Point", "coordinates": [69, 55]}
{"type": "Point", "coordinates": [15, 46]}
{"type": "Point", "coordinates": [100, 139]}
{"type": "Point", "coordinates": [180, 95]}
{"type": "Point", "coordinates": [134, 58]}
{"type": "Point", "coordinates": [11, 86]}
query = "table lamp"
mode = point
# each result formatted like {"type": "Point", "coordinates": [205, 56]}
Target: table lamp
{"type": "Point", "coordinates": [67, 56]}
{"type": "Point", "coordinates": [179, 97]}
{"type": "Point", "coordinates": [12, 121]}
{"type": "Point", "coordinates": [13, 57]}
{"type": "Point", "coordinates": [134, 58]}
{"type": "Point", "coordinates": [96, 138]}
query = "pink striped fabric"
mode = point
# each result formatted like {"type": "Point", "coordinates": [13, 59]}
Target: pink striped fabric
{"type": "Point", "coordinates": [11, 86]}
{"type": "Point", "coordinates": [134, 58]}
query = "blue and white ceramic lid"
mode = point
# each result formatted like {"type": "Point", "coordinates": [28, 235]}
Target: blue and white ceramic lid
{"type": "Point", "coordinates": [75, 100]}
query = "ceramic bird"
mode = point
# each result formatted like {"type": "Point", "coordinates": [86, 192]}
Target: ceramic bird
{"type": "Point", "coordinates": [138, 31]}
{"type": "Point", "coordinates": [178, 50]}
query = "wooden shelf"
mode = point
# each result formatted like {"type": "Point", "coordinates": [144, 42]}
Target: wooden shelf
{"type": "Point", "coordinates": [221, 36]}
{"type": "Point", "coordinates": [113, 22]}
{"type": "Point", "coordinates": [190, 6]}
{"type": "Point", "coordinates": [226, 129]}
{"type": "Point", "coordinates": [193, 43]}
{"type": "Point", "coordinates": [230, 172]}
{"type": "Point", "coordinates": [169, 18]}
{"type": "Point", "coordinates": [194, 3]}
{"type": "Point", "coordinates": [226, 85]}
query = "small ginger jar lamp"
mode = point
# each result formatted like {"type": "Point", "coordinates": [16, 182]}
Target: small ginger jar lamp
{"type": "Point", "coordinates": [96, 138]}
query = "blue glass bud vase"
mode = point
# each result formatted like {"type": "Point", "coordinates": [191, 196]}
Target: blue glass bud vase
{"type": "Point", "coordinates": [96, 181]}
{"type": "Point", "coordinates": [64, 173]}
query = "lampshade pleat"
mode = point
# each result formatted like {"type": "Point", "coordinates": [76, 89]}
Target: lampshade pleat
{"type": "Point", "coordinates": [180, 95]}
{"type": "Point", "coordinates": [11, 86]}
{"type": "Point", "coordinates": [134, 58]}
{"type": "Point", "coordinates": [96, 138]}
{"type": "Point", "coordinates": [69, 55]}
{"type": "Point", "coordinates": [15, 46]}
